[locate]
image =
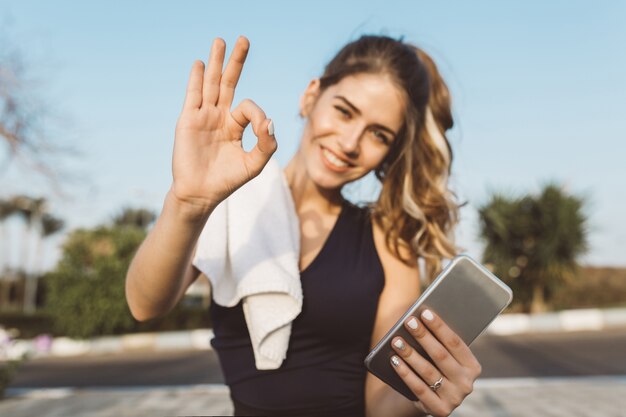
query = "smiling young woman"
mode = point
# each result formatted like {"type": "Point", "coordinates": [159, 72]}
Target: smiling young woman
{"type": "Point", "coordinates": [380, 106]}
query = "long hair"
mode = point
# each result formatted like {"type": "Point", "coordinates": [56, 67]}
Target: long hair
{"type": "Point", "coordinates": [415, 208]}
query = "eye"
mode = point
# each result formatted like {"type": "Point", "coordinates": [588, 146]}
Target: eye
{"type": "Point", "coordinates": [344, 112]}
{"type": "Point", "coordinates": [380, 136]}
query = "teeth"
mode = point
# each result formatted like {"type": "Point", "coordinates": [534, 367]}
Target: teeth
{"type": "Point", "coordinates": [334, 160]}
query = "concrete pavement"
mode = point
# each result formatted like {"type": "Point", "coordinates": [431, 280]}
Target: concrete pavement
{"type": "Point", "coordinates": [516, 397]}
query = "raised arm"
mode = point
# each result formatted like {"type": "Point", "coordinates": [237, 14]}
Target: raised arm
{"type": "Point", "coordinates": [208, 165]}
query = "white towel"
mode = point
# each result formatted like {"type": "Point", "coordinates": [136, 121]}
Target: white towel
{"type": "Point", "coordinates": [250, 249]}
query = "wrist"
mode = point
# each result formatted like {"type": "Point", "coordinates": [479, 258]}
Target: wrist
{"type": "Point", "coordinates": [189, 210]}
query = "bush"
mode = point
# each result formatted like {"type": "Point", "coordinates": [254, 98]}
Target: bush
{"type": "Point", "coordinates": [28, 325]}
{"type": "Point", "coordinates": [593, 288]}
{"type": "Point", "coordinates": [85, 293]}
{"type": "Point", "coordinates": [181, 318]}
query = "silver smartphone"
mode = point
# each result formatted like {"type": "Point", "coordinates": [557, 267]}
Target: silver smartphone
{"type": "Point", "coordinates": [465, 295]}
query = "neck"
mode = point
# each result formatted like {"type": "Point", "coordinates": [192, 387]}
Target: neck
{"type": "Point", "coordinates": [306, 194]}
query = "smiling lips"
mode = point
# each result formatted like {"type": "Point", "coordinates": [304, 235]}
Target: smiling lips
{"type": "Point", "coordinates": [333, 162]}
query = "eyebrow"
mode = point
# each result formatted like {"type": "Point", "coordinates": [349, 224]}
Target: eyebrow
{"type": "Point", "coordinates": [357, 111]}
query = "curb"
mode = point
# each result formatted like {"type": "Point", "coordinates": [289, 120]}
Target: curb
{"type": "Point", "coordinates": [562, 321]}
{"type": "Point", "coordinates": [200, 339]}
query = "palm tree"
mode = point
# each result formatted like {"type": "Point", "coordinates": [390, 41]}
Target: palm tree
{"type": "Point", "coordinates": [7, 209]}
{"type": "Point", "coordinates": [50, 225]}
{"type": "Point", "coordinates": [533, 242]}
{"type": "Point", "coordinates": [32, 211]}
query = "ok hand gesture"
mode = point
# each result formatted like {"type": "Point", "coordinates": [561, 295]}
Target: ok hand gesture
{"type": "Point", "coordinates": [209, 162]}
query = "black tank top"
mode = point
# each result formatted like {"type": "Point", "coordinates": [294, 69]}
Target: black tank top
{"type": "Point", "coordinates": [323, 373]}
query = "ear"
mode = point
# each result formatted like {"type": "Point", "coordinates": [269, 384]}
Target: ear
{"type": "Point", "coordinates": [309, 97]}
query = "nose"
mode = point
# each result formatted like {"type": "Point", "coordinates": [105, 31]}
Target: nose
{"type": "Point", "coordinates": [350, 140]}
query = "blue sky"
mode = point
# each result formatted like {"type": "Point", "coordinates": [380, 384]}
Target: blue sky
{"type": "Point", "coordinates": [538, 88]}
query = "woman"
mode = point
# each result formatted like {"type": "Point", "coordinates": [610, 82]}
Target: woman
{"type": "Point", "coordinates": [379, 106]}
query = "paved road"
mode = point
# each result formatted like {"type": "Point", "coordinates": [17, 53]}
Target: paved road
{"type": "Point", "coordinates": [548, 355]}
{"type": "Point", "coordinates": [572, 397]}
{"type": "Point", "coordinates": [169, 373]}
{"type": "Point", "coordinates": [537, 355]}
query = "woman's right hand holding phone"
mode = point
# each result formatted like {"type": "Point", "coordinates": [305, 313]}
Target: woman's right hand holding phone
{"type": "Point", "coordinates": [209, 162]}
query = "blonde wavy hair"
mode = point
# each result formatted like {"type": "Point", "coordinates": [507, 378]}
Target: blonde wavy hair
{"type": "Point", "coordinates": [415, 208]}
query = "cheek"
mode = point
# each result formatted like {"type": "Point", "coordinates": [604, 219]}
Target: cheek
{"type": "Point", "coordinates": [374, 156]}
{"type": "Point", "coordinates": [321, 124]}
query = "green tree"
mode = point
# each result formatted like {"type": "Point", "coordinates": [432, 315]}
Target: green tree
{"type": "Point", "coordinates": [140, 217]}
{"type": "Point", "coordinates": [533, 242]}
{"type": "Point", "coordinates": [85, 293]}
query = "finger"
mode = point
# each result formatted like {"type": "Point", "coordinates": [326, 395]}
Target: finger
{"type": "Point", "coordinates": [249, 112]}
{"type": "Point", "coordinates": [213, 75]}
{"type": "Point", "coordinates": [420, 365]}
{"type": "Point", "coordinates": [231, 74]}
{"type": "Point", "coordinates": [193, 97]}
{"type": "Point", "coordinates": [433, 402]}
{"type": "Point", "coordinates": [442, 359]}
{"type": "Point", "coordinates": [448, 338]}
{"type": "Point", "coordinates": [422, 391]}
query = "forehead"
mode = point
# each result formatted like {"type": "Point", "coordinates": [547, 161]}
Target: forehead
{"type": "Point", "coordinates": [375, 96]}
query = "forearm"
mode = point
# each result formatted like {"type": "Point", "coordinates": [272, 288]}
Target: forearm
{"type": "Point", "coordinates": [155, 278]}
{"type": "Point", "coordinates": [390, 403]}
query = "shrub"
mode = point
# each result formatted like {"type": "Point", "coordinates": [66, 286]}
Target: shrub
{"type": "Point", "coordinates": [85, 293]}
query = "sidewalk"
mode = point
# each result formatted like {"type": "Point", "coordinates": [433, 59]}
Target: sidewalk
{"type": "Point", "coordinates": [520, 397]}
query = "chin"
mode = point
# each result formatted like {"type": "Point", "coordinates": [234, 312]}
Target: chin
{"type": "Point", "coordinates": [326, 182]}
{"type": "Point", "coordinates": [330, 181]}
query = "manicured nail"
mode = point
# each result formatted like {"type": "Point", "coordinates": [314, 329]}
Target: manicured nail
{"type": "Point", "coordinates": [412, 323]}
{"type": "Point", "coordinates": [428, 315]}
{"type": "Point", "coordinates": [399, 344]}
{"type": "Point", "coordinates": [270, 128]}
{"type": "Point", "coordinates": [395, 361]}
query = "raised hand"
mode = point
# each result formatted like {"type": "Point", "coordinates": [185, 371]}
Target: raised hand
{"type": "Point", "coordinates": [209, 162]}
{"type": "Point", "coordinates": [441, 388]}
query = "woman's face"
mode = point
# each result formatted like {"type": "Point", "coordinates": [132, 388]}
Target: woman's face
{"type": "Point", "coordinates": [350, 128]}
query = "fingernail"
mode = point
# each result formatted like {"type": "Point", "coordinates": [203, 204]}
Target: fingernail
{"type": "Point", "coordinates": [270, 128]}
{"type": "Point", "coordinates": [428, 315]}
{"type": "Point", "coordinates": [412, 323]}
{"type": "Point", "coordinates": [399, 344]}
{"type": "Point", "coordinates": [395, 361]}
